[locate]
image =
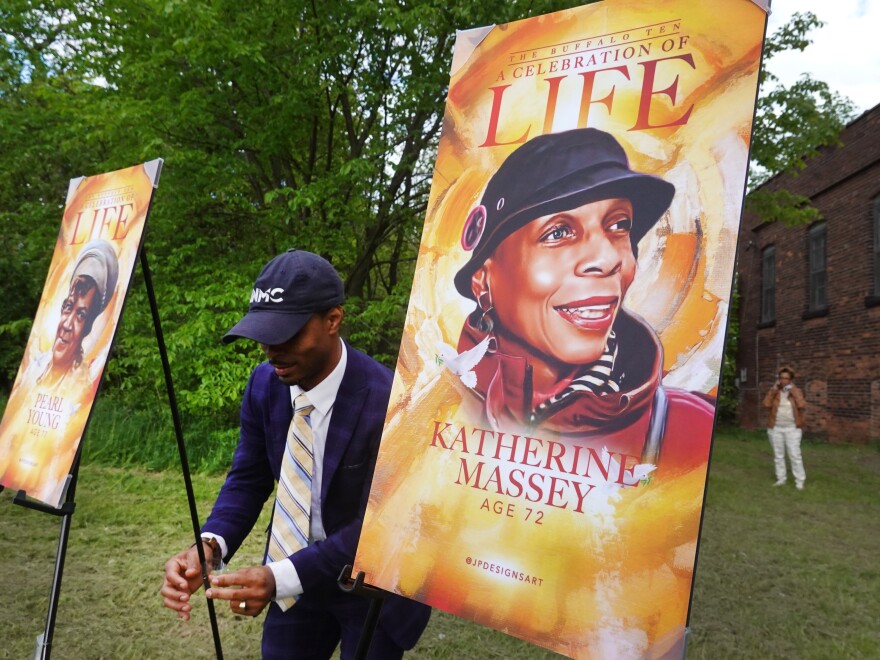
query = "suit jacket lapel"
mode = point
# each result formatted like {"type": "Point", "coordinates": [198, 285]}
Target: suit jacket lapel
{"type": "Point", "coordinates": [343, 421]}
{"type": "Point", "coordinates": [280, 416]}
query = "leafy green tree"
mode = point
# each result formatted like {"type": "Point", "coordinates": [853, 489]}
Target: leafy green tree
{"type": "Point", "coordinates": [42, 103]}
{"type": "Point", "coordinates": [791, 124]}
{"type": "Point", "coordinates": [728, 391]}
{"type": "Point", "coordinates": [282, 124]}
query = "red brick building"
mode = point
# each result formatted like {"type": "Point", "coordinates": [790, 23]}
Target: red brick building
{"type": "Point", "coordinates": [810, 295]}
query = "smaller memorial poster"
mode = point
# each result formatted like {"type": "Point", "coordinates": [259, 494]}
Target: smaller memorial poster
{"type": "Point", "coordinates": [95, 254]}
{"type": "Point", "coordinates": [543, 463]}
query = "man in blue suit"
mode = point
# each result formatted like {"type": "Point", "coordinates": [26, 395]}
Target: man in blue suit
{"type": "Point", "coordinates": [295, 314]}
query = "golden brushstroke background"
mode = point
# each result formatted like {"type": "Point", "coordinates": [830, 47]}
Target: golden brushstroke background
{"type": "Point", "coordinates": [48, 459]}
{"type": "Point", "coordinates": [616, 580]}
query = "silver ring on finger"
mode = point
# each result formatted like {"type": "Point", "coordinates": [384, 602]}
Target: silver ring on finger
{"type": "Point", "coordinates": [242, 605]}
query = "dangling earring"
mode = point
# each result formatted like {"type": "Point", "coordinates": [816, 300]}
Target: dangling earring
{"type": "Point", "coordinates": [486, 323]}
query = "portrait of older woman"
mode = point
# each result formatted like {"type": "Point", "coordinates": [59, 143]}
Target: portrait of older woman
{"type": "Point", "coordinates": [92, 284]}
{"type": "Point", "coordinates": [553, 248]}
{"type": "Point", "coordinates": [35, 449]}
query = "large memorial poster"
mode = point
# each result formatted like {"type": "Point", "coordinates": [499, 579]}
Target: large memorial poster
{"type": "Point", "coordinates": [89, 274]}
{"type": "Point", "coordinates": [544, 458]}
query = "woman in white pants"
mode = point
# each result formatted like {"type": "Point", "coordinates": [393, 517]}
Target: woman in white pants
{"type": "Point", "coordinates": [786, 402]}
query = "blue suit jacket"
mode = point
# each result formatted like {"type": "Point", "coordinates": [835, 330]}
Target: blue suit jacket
{"type": "Point", "coordinates": [349, 458]}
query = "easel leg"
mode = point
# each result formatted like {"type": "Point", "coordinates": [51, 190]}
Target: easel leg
{"type": "Point", "coordinates": [43, 647]}
{"type": "Point", "coordinates": [369, 628]}
{"type": "Point", "coordinates": [181, 447]}
{"type": "Point", "coordinates": [377, 597]}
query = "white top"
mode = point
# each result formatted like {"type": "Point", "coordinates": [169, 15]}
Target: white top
{"type": "Point", "coordinates": [785, 412]}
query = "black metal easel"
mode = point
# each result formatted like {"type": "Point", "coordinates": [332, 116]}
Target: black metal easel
{"type": "Point", "coordinates": [181, 447]}
{"type": "Point", "coordinates": [377, 599]}
{"type": "Point", "coordinates": [43, 645]}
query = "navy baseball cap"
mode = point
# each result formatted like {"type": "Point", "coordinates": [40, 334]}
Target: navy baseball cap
{"type": "Point", "coordinates": [289, 289]}
{"type": "Point", "coordinates": [554, 173]}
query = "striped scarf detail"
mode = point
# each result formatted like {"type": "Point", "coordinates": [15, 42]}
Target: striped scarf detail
{"type": "Point", "coordinates": [596, 379]}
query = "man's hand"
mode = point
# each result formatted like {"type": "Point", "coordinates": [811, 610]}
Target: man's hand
{"type": "Point", "coordinates": [183, 577]}
{"type": "Point", "coordinates": [248, 590]}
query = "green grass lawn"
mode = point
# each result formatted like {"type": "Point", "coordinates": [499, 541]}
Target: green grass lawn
{"type": "Point", "coordinates": [781, 573]}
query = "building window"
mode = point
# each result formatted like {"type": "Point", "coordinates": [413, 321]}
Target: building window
{"type": "Point", "coordinates": [768, 285]}
{"type": "Point", "coordinates": [877, 247]}
{"type": "Point", "coordinates": [818, 268]}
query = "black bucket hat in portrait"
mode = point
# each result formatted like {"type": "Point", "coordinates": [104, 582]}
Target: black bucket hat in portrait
{"type": "Point", "coordinates": [289, 289]}
{"type": "Point", "coordinates": [554, 173]}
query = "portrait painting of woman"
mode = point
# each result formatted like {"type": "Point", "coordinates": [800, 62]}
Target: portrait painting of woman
{"type": "Point", "coordinates": [544, 459]}
{"type": "Point", "coordinates": [59, 381]}
{"type": "Point", "coordinates": [553, 251]}
{"type": "Point", "coordinates": [73, 329]}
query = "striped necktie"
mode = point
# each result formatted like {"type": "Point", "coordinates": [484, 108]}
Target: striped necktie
{"type": "Point", "coordinates": [290, 520]}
